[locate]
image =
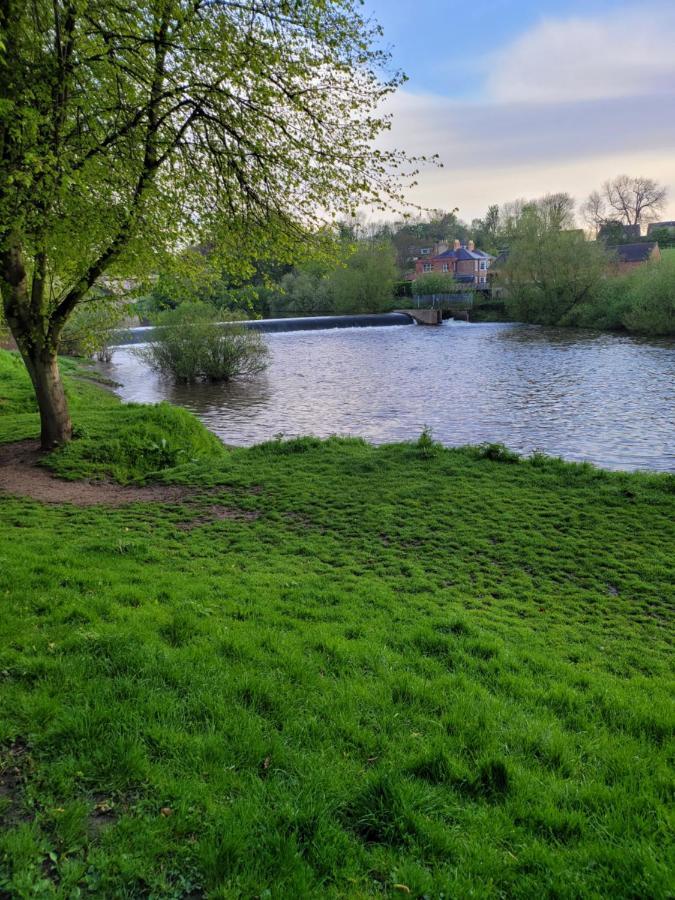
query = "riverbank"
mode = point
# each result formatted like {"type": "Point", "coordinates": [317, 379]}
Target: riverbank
{"type": "Point", "coordinates": [324, 668]}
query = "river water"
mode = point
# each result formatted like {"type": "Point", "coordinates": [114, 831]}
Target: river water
{"type": "Point", "coordinates": [605, 398]}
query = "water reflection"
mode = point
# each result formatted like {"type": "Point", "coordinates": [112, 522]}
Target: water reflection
{"type": "Point", "coordinates": [581, 395]}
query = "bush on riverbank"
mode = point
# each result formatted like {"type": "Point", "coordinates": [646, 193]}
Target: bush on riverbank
{"type": "Point", "coordinates": [192, 344]}
{"type": "Point", "coordinates": [333, 669]}
{"type": "Point", "coordinates": [642, 301]}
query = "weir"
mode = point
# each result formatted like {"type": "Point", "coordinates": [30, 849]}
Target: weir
{"type": "Point", "coordinates": [143, 333]}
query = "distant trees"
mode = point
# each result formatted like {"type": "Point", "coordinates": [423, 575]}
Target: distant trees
{"type": "Point", "coordinates": [485, 231]}
{"type": "Point", "coordinates": [628, 200]}
{"type": "Point", "coordinates": [363, 283]}
{"type": "Point", "coordinates": [366, 282]}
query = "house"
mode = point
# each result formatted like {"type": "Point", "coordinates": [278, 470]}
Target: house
{"type": "Point", "coordinates": [464, 262]}
{"type": "Point", "coordinates": [656, 227]}
{"type": "Point", "coordinates": [628, 256]}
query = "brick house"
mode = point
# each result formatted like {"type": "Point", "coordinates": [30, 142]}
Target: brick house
{"type": "Point", "coordinates": [464, 262]}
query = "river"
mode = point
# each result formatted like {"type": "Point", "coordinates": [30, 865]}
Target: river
{"type": "Point", "coordinates": [605, 398]}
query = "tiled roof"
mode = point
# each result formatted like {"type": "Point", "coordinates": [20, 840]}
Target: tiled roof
{"type": "Point", "coordinates": [635, 252]}
{"type": "Point", "coordinates": [463, 253]}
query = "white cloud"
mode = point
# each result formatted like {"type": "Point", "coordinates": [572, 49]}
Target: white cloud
{"type": "Point", "coordinates": [625, 53]}
{"type": "Point", "coordinates": [566, 105]}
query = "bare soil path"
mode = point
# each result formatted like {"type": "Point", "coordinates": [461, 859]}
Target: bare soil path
{"type": "Point", "coordinates": [21, 475]}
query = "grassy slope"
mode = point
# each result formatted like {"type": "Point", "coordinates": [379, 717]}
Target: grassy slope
{"type": "Point", "coordinates": [415, 666]}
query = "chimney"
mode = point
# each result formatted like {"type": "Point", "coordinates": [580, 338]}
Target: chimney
{"type": "Point", "coordinates": [471, 246]}
{"type": "Point", "coordinates": [456, 244]}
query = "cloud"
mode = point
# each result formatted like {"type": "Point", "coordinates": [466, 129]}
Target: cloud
{"type": "Point", "coordinates": [565, 106]}
{"type": "Point", "coordinates": [625, 53]}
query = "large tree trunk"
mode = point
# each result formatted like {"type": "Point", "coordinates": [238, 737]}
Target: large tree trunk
{"type": "Point", "coordinates": [55, 425]}
{"type": "Point", "coordinates": [37, 339]}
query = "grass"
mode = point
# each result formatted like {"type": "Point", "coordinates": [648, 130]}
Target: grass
{"type": "Point", "coordinates": [384, 671]}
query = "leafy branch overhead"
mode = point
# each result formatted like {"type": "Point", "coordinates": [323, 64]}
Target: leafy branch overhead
{"type": "Point", "coordinates": [130, 129]}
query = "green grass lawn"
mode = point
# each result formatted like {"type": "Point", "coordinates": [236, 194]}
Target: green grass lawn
{"type": "Point", "coordinates": [332, 670]}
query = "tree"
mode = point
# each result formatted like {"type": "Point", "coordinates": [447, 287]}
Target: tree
{"type": "Point", "coordinates": [437, 283]}
{"type": "Point", "coordinates": [557, 211]}
{"type": "Point", "coordinates": [365, 284]}
{"type": "Point", "coordinates": [594, 210]}
{"type": "Point", "coordinates": [128, 130]}
{"type": "Point", "coordinates": [549, 270]}
{"type": "Point", "coordinates": [628, 200]}
{"type": "Point", "coordinates": [306, 291]}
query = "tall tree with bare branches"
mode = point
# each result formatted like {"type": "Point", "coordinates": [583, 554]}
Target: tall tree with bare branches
{"type": "Point", "coordinates": [128, 129]}
{"type": "Point", "coordinates": [625, 199]}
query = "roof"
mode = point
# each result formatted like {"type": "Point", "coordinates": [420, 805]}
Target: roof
{"type": "Point", "coordinates": [635, 253]}
{"type": "Point", "coordinates": [463, 253]}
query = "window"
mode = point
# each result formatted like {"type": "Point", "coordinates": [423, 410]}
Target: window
{"type": "Point", "coordinates": [427, 267]}
{"type": "Point", "coordinates": [483, 264]}
{"type": "Point", "coordinates": [445, 267]}
{"type": "Point", "coordinates": [425, 251]}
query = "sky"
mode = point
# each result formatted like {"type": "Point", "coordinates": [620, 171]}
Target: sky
{"type": "Point", "coordinates": [521, 99]}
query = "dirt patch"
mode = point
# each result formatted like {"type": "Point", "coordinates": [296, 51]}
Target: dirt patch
{"type": "Point", "coordinates": [215, 513]}
{"type": "Point", "coordinates": [22, 476]}
{"type": "Point", "coordinates": [14, 766]}
{"type": "Point", "coordinates": [103, 815]}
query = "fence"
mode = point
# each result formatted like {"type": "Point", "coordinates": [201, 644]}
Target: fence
{"type": "Point", "coordinates": [444, 301]}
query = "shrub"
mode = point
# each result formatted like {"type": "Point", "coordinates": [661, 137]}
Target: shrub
{"type": "Point", "coordinates": [497, 453]}
{"type": "Point", "coordinates": [191, 344]}
{"type": "Point", "coordinates": [652, 298]}
{"type": "Point", "coordinates": [426, 445]}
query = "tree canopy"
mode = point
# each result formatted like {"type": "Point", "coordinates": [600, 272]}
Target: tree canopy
{"type": "Point", "coordinates": [127, 130]}
{"type": "Point", "coordinates": [550, 269]}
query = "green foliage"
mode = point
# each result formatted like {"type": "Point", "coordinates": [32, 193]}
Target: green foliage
{"type": "Point", "coordinates": [16, 391]}
{"type": "Point", "coordinates": [651, 298]}
{"type": "Point", "coordinates": [91, 329]}
{"type": "Point", "coordinates": [362, 282]}
{"type": "Point", "coordinates": [497, 453]}
{"type": "Point", "coordinates": [642, 301]}
{"type": "Point", "coordinates": [435, 283]}
{"type": "Point", "coordinates": [135, 442]}
{"type": "Point", "coordinates": [192, 344]}
{"type": "Point", "coordinates": [426, 444]}
{"type": "Point", "coordinates": [371, 670]}
{"type": "Point", "coordinates": [365, 284]}
{"type": "Point", "coordinates": [305, 291]}
{"type": "Point", "coordinates": [126, 442]}
{"type": "Point", "coordinates": [549, 270]}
